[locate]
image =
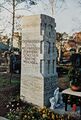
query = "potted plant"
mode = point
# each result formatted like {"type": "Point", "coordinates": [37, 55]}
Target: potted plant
{"type": "Point", "coordinates": [75, 78]}
{"type": "Point", "coordinates": [74, 73]}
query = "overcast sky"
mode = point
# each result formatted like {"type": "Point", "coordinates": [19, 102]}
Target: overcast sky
{"type": "Point", "coordinates": [67, 15]}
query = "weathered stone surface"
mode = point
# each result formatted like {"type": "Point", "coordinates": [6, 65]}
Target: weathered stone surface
{"type": "Point", "coordinates": [38, 69]}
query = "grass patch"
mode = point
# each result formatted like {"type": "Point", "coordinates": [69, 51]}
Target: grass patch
{"type": "Point", "coordinates": [15, 82]}
{"type": "Point", "coordinates": [5, 80]}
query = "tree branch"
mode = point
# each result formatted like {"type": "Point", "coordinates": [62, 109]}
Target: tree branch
{"type": "Point", "coordinates": [6, 9]}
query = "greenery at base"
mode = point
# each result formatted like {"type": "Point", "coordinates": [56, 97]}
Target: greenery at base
{"type": "Point", "coordinates": [17, 110]}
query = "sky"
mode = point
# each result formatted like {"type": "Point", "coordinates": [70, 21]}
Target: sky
{"type": "Point", "coordinates": [68, 17]}
{"type": "Point", "coordinates": [67, 14]}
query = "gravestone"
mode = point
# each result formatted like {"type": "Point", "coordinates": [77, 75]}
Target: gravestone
{"type": "Point", "coordinates": [38, 66]}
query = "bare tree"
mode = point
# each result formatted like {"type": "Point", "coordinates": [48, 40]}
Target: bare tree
{"type": "Point", "coordinates": [14, 4]}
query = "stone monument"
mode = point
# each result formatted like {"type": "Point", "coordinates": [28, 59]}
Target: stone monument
{"type": "Point", "coordinates": [38, 65]}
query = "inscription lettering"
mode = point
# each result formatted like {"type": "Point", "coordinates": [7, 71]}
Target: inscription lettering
{"type": "Point", "coordinates": [30, 52]}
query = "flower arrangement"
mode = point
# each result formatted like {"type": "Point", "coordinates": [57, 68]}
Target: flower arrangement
{"type": "Point", "coordinates": [24, 111]}
{"type": "Point", "coordinates": [75, 76]}
{"type": "Point", "coordinates": [74, 73]}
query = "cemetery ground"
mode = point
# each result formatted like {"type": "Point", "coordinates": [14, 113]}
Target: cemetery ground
{"type": "Point", "coordinates": [9, 87]}
{"type": "Point", "coordinates": [13, 108]}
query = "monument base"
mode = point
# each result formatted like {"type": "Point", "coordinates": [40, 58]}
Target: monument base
{"type": "Point", "coordinates": [38, 90]}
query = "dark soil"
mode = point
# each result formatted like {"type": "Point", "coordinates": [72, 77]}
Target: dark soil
{"type": "Point", "coordinates": [7, 91]}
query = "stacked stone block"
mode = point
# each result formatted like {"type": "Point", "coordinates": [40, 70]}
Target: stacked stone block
{"type": "Point", "coordinates": [38, 67]}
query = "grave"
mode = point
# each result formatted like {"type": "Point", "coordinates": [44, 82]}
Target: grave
{"type": "Point", "coordinates": [38, 64]}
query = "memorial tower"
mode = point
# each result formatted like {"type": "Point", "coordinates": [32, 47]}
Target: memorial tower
{"type": "Point", "coordinates": [38, 66]}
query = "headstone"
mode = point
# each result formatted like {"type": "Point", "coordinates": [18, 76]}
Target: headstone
{"type": "Point", "coordinates": [38, 66]}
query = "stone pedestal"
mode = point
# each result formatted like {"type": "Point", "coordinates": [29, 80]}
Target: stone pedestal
{"type": "Point", "coordinates": [38, 66]}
